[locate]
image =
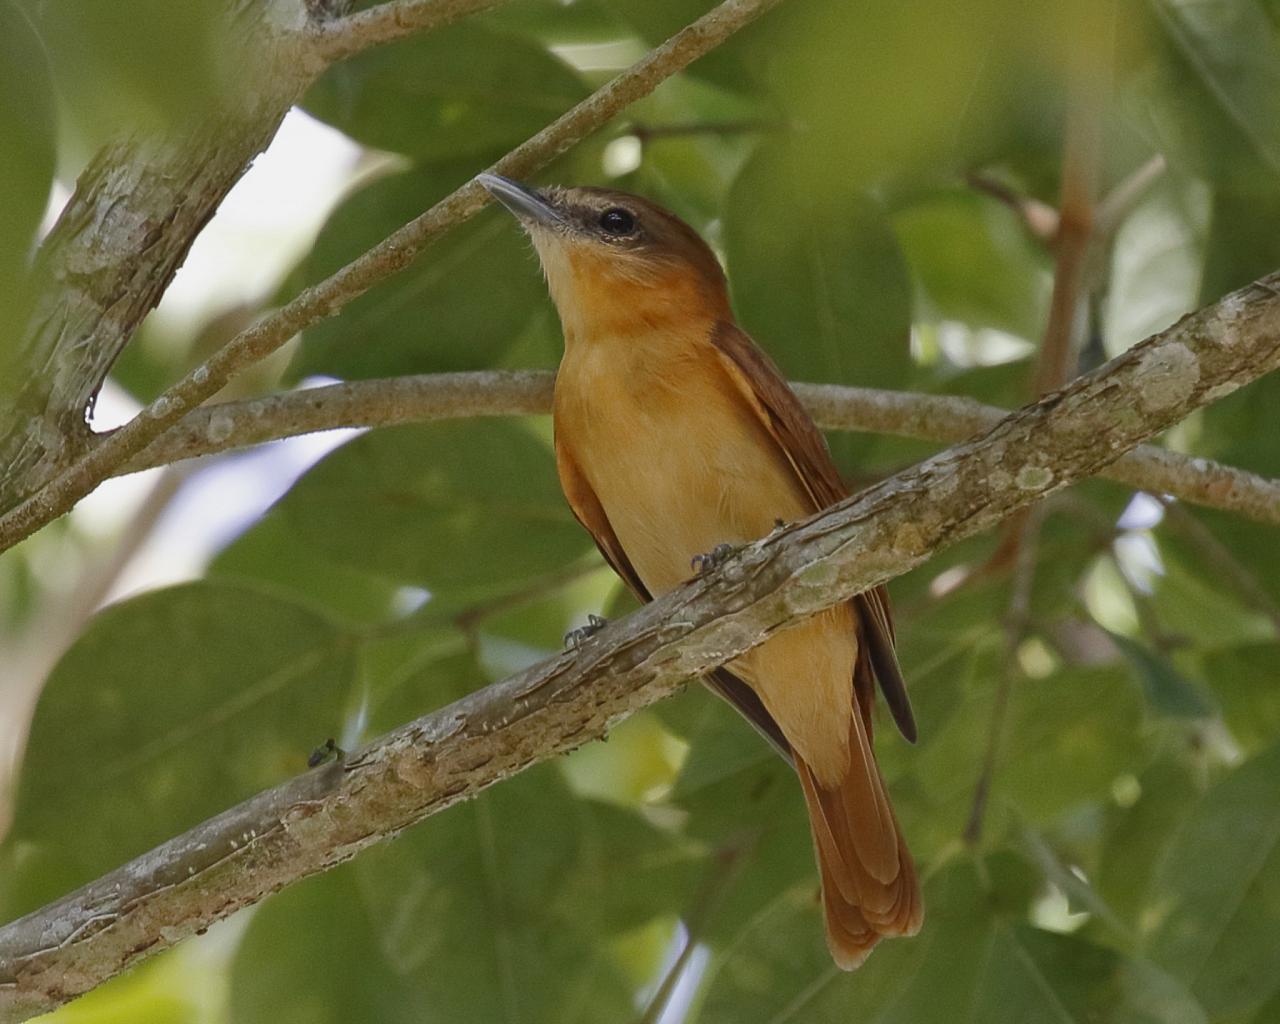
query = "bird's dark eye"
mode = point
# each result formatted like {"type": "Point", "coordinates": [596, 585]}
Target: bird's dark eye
{"type": "Point", "coordinates": [617, 221]}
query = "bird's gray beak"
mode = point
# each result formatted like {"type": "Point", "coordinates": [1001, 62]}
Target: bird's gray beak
{"type": "Point", "coordinates": [526, 203]}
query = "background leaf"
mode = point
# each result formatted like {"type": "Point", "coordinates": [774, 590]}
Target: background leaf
{"type": "Point", "coordinates": [169, 709]}
{"type": "Point", "coordinates": [464, 90]}
{"type": "Point", "coordinates": [1215, 904]}
{"type": "Point", "coordinates": [480, 282]}
{"type": "Point", "coordinates": [456, 507]}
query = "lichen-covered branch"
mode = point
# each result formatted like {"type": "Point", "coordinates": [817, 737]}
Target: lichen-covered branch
{"type": "Point", "coordinates": [394, 253]}
{"type": "Point", "coordinates": [320, 819]}
{"type": "Point", "coordinates": [944, 418]}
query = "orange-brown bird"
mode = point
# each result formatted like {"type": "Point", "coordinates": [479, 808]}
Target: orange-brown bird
{"type": "Point", "coordinates": [675, 435]}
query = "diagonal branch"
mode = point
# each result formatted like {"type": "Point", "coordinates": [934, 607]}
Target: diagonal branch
{"type": "Point", "coordinates": [394, 253]}
{"type": "Point", "coordinates": [324, 817]}
{"type": "Point", "coordinates": [441, 396]}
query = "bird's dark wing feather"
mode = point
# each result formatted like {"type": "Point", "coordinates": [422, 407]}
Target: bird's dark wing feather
{"type": "Point", "coordinates": [806, 450]}
{"type": "Point", "coordinates": [590, 513]}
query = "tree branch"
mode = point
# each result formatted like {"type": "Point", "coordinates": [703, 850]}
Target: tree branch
{"type": "Point", "coordinates": [394, 253]}
{"type": "Point", "coordinates": [339, 38]}
{"type": "Point", "coordinates": [327, 816]}
{"type": "Point", "coordinates": [1060, 347]}
{"type": "Point", "coordinates": [137, 209]}
{"type": "Point", "coordinates": [442, 396]}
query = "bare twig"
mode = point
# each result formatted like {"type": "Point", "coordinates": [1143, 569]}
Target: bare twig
{"type": "Point", "coordinates": [944, 418]}
{"type": "Point", "coordinates": [1062, 334]}
{"type": "Point", "coordinates": [339, 38]}
{"type": "Point", "coordinates": [320, 819]}
{"type": "Point", "coordinates": [389, 256]}
{"type": "Point", "coordinates": [1120, 201]}
{"type": "Point", "coordinates": [720, 873]}
{"type": "Point", "coordinates": [1039, 218]}
{"type": "Point", "coordinates": [1064, 330]}
{"type": "Point", "coordinates": [1017, 623]}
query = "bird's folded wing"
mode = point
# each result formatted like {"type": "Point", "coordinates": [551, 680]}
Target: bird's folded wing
{"type": "Point", "coordinates": [590, 513]}
{"type": "Point", "coordinates": [804, 447]}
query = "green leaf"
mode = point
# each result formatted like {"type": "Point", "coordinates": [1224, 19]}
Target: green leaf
{"type": "Point", "coordinates": [464, 90]}
{"type": "Point", "coordinates": [270, 556]}
{"type": "Point", "coordinates": [743, 803]}
{"type": "Point", "coordinates": [311, 956]}
{"type": "Point", "coordinates": [27, 125]}
{"type": "Point", "coordinates": [170, 708]}
{"type": "Point", "coordinates": [975, 262]}
{"type": "Point", "coordinates": [461, 306]}
{"type": "Point", "coordinates": [975, 961]}
{"type": "Point", "coordinates": [458, 508]}
{"type": "Point", "coordinates": [820, 282]}
{"type": "Point", "coordinates": [1214, 907]}
{"type": "Point", "coordinates": [498, 910]}
{"type": "Point", "coordinates": [1167, 690]}
{"type": "Point", "coordinates": [1067, 738]}
{"type": "Point", "coordinates": [139, 65]}
{"type": "Point", "coordinates": [729, 65]}
{"type": "Point", "coordinates": [1244, 681]}
{"type": "Point", "coordinates": [1134, 837]}
{"type": "Point", "coordinates": [1232, 51]}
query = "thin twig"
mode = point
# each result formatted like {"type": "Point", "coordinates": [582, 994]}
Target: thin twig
{"type": "Point", "coordinates": [339, 38]}
{"type": "Point", "coordinates": [1117, 204]}
{"type": "Point", "coordinates": [1016, 625]}
{"type": "Point", "coordinates": [1061, 342]}
{"type": "Point", "coordinates": [720, 873]}
{"type": "Point", "coordinates": [422, 399]}
{"type": "Point", "coordinates": [1063, 333]}
{"type": "Point", "coordinates": [1039, 218]}
{"type": "Point", "coordinates": [327, 816]}
{"type": "Point", "coordinates": [386, 258]}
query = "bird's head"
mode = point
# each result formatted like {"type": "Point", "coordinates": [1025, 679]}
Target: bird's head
{"type": "Point", "coordinates": [612, 258]}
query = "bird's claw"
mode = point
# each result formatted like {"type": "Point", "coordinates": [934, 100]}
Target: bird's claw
{"type": "Point", "coordinates": [713, 559]}
{"type": "Point", "coordinates": [778, 524]}
{"type": "Point", "coordinates": [577, 637]}
{"type": "Point", "coordinates": [328, 750]}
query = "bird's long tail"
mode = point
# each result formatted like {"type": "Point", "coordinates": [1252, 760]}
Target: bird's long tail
{"type": "Point", "coordinates": [869, 884]}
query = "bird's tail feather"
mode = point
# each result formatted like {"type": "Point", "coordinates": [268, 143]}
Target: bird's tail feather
{"type": "Point", "coordinates": [869, 884]}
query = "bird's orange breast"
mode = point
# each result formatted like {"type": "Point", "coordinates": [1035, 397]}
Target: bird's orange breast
{"type": "Point", "coordinates": [680, 463]}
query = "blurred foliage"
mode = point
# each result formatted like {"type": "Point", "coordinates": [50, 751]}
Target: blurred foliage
{"type": "Point", "coordinates": [1129, 869]}
{"type": "Point", "coordinates": [28, 128]}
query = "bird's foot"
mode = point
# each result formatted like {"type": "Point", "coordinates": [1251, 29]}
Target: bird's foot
{"type": "Point", "coordinates": [577, 637]}
{"type": "Point", "coordinates": [778, 524]}
{"type": "Point", "coordinates": [327, 751]}
{"type": "Point", "coordinates": [713, 559]}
